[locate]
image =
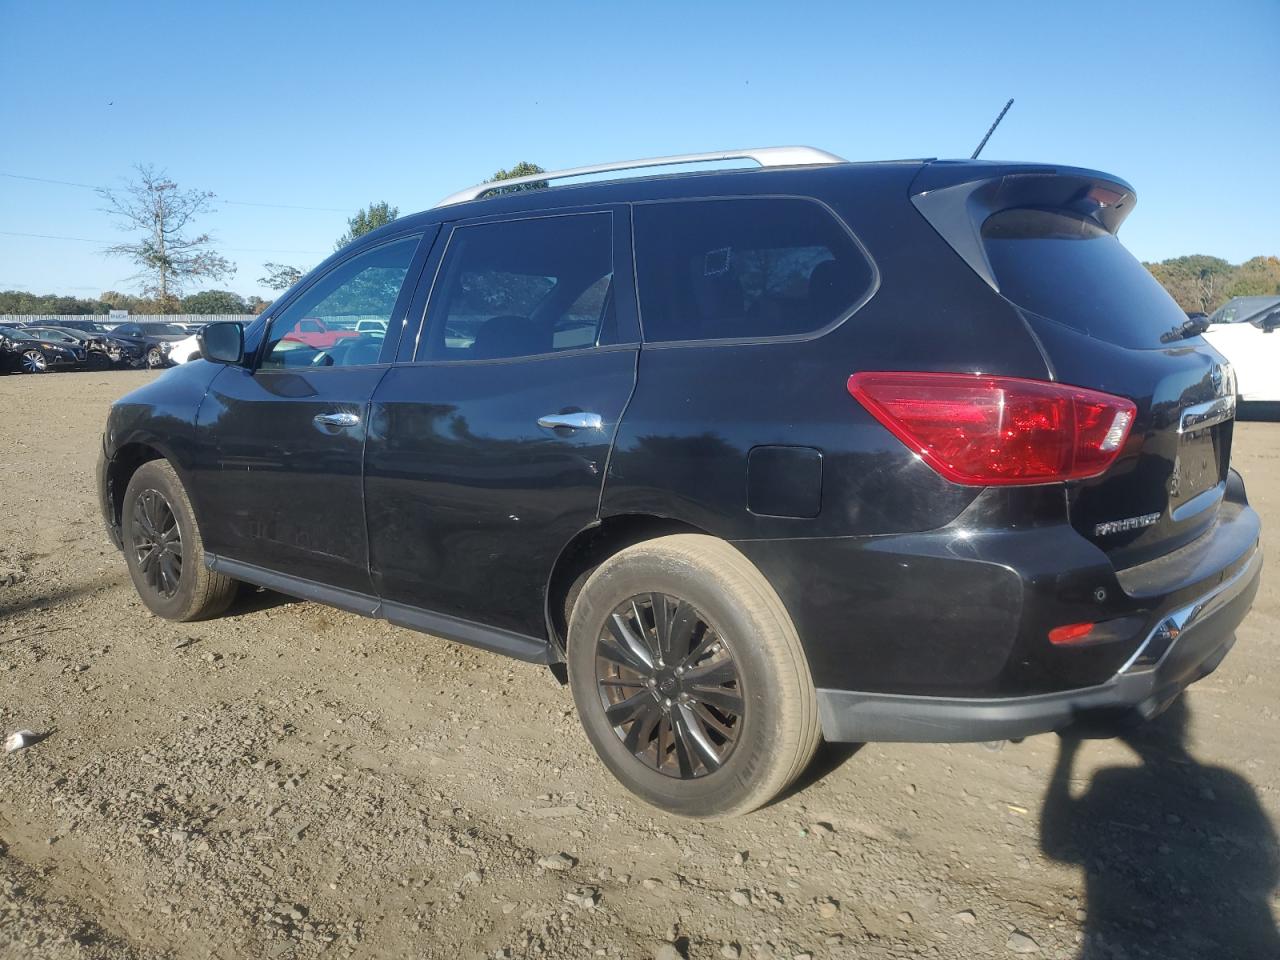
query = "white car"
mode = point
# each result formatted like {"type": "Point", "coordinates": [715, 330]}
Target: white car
{"type": "Point", "coordinates": [1254, 351]}
{"type": "Point", "coordinates": [183, 350]}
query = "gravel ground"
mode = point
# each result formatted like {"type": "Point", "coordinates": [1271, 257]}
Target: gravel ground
{"type": "Point", "coordinates": [294, 781]}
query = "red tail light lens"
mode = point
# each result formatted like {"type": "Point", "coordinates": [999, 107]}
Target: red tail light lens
{"type": "Point", "coordinates": [985, 431]}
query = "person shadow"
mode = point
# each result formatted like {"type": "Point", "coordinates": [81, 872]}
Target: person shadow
{"type": "Point", "coordinates": [1180, 861]}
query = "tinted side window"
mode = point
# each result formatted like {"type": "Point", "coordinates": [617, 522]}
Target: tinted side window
{"type": "Point", "coordinates": [744, 268]}
{"type": "Point", "coordinates": [519, 288]}
{"type": "Point", "coordinates": [319, 329]}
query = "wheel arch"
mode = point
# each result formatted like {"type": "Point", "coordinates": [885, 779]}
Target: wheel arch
{"type": "Point", "coordinates": [589, 548]}
{"type": "Point", "coordinates": [118, 469]}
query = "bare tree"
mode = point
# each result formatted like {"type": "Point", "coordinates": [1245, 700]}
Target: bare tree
{"type": "Point", "coordinates": [153, 207]}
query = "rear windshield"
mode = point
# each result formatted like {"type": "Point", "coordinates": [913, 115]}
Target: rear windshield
{"type": "Point", "coordinates": [1076, 273]}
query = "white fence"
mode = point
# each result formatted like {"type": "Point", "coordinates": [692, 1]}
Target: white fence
{"type": "Point", "coordinates": [52, 320]}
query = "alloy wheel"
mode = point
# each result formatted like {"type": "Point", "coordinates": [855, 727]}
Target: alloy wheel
{"type": "Point", "coordinates": [153, 358]}
{"type": "Point", "coordinates": [33, 361]}
{"type": "Point", "coordinates": [669, 685]}
{"type": "Point", "coordinates": [157, 542]}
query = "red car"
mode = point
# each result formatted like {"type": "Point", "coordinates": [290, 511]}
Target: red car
{"type": "Point", "coordinates": [316, 334]}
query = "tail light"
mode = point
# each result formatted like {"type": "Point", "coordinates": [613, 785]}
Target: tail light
{"type": "Point", "coordinates": [985, 430]}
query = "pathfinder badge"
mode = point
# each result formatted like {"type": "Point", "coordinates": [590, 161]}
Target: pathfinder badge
{"type": "Point", "coordinates": [1130, 523]}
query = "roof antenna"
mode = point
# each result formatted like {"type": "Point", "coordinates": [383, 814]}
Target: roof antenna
{"type": "Point", "coordinates": [992, 130]}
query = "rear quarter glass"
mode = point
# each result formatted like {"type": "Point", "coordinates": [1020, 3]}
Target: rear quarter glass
{"type": "Point", "coordinates": [745, 268]}
{"type": "Point", "coordinates": [1074, 272]}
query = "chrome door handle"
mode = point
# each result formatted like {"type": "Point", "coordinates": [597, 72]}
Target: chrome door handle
{"type": "Point", "coordinates": [574, 421]}
{"type": "Point", "coordinates": [337, 419]}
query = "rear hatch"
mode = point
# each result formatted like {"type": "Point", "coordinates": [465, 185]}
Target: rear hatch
{"type": "Point", "coordinates": [1045, 241]}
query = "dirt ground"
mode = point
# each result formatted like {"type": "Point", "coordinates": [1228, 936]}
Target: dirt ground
{"type": "Point", "coordinates": [294, 781]}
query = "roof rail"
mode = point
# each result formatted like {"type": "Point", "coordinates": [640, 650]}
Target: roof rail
{"type": "Point", "coordinates": [765, 156]}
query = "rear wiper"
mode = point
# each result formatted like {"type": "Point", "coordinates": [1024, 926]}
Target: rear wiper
{"type": "Point", "coordinates": [1188, 328]}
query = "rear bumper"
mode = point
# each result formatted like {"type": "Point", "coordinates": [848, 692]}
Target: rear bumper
{"type": "Point", "coordinates": [1187, 644]}
{"type": "Point", "coordinates": [943, 635]}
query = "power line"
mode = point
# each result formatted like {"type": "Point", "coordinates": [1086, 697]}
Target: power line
{"type": "Point", "coordinates": [235, 203]}
{"type": "Point", "coordinates": [49, 236]}
{"type": "Point", "coordinates": [108, 243]}
{"type": "Point", "coordinates": [65, 183]}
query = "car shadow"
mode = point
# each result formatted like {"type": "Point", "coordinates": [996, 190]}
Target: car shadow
{"type": "Point", "coordinates": [1179, 858]}
{"type": "Point", "coordinates": [829, 758]}
{"type": "Point", "coordinates": [35, 599]}
{"type": "Point", "coordinates": [251, 599]}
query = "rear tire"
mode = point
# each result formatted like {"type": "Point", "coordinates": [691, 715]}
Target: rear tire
{"type": "Point", "coordinates": [164, 551]}
{"type": "Point", "coordinates": [737, 692]}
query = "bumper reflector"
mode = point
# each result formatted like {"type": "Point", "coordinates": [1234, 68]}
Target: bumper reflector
{"type": "Point", "coordinates": [1070, 633]}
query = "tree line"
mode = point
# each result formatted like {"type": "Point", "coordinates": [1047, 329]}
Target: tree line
{"type": "Point", "coordinates": [206, 301]}
{"type": "Point", "coordinates": [1201, 283]}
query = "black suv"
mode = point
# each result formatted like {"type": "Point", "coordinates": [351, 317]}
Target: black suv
{"type": "Point", "coordinates": [863, 451]}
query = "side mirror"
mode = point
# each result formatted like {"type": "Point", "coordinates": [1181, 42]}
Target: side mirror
{"type": "Point", "coordinates": [221, 342]}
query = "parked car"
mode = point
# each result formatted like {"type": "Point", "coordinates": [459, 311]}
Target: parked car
{"type": "Point", "coordinates": [85, 326]}
{"type": "Point", "coordinates": [873, 451]}
{"type": "Point", "coordinates": [101, 351]}
{"type": "Point", "coordinates": [316, 333]}
{"type": "Point", "coordinates": [27, 352]}
{"type": "Point", "coordinates": [1244, 309]}
{"type": "Point", "coordinates": [183, 350]}
{"type": "Point", "coordinates": [1253, 347]}
{"type": "Point", "coordinates": [152, 340]}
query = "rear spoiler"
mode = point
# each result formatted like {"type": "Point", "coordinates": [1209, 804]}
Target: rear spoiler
{"type": "Point", "coordinates": [957, 197]}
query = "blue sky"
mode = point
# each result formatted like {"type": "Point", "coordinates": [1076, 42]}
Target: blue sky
{"type": "Point", "coordinates": [327, 105]}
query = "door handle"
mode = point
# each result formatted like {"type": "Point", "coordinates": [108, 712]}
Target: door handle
{"type": "Point", "coordinates": [337, 419]}
{"type": "Point", "coordinates": [574, 421]}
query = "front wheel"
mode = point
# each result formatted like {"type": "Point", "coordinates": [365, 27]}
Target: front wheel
{"type": "Point", "coordinates": [155, 358]}
{"type": "Point", "coordinates": [164, 551]}
{"type": "Point", "coordinates": [689, 677]}
{"type": "Point", "coordinates": [33, 361]}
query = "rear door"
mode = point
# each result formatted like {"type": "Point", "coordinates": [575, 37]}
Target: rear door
{"type": "Point", "coordinates": [488, 444]}
{"type": "Point", "coordinates": [1047, 244]}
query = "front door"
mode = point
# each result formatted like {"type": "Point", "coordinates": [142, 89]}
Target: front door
{"type": "Point", "coordinates": [281, 440]}
{"type": "Point", "coordinates": [488, 445]}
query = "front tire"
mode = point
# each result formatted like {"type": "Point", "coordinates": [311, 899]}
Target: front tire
{"type": "Point", "coordinates": [164, 551]}
{"type": "Point", "coordinates": [689, 678]}
{"type": "Point", "coordinates": [33, 361]}
{"type": "Point", "coordinates": [155, 359]}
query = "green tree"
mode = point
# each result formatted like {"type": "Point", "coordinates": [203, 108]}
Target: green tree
{"type": "Point", "coordinates": [214, 301]}
{"type": "Point", "coordinates": [158, 305]}
{"type": "Point", "coordinates": [167, 255]}
{"type": "Point", "coordinates": [1253, 278]}
{"type": "Point", "coordinates": [1196, 282]}
{"type": "Point", "coordinates": [280, 276]}
{"type": "Point", "coordinates": [115, 300]}
{"type": "Point", "coordinates": [522, 169]}
{"type": "Point", "coordinates": [20, 301]}
{"type": "Point", "coordinates": [377, 215]}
